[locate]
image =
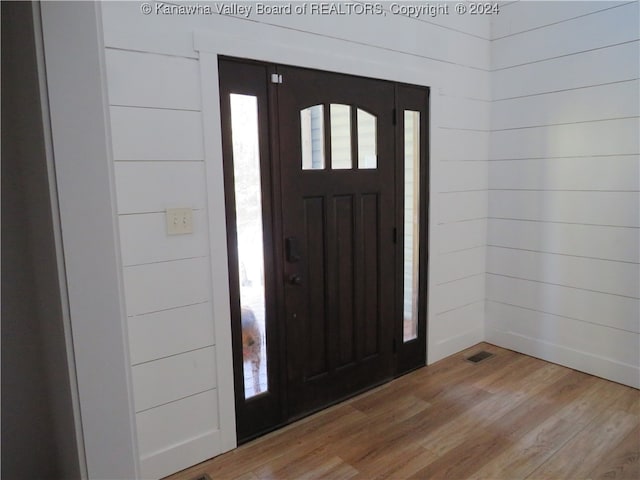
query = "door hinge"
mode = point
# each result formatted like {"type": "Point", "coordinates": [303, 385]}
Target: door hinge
{"type": "Point", "coordinates": [394, 114]}
{"type": "Point", "coordinates": [276, 78]}
{"type": "Point", "coordinates": [395, 235]}
{"type": "Point", "coordinates": [395, 345]}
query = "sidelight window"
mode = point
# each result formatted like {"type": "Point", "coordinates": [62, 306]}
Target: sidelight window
{"type": "Point", "coordinates": [248, 208]}
{"type": "Point", "coordinates": [411, 223]}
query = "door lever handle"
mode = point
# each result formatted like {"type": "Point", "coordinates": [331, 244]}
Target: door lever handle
{"type": "Point", "coordinates": [295, 279]}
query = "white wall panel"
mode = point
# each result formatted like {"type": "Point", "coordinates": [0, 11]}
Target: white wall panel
{"type": "Point", "coordinates": [461, 235]}
{"type": "Point", "coordinates": [469, 315]}
{"type": "Point", "coordinates": [522, 16]}
{"type": "Point", "coordinates": [607, 65]}
{"type": "Point", "coordinates": [454, 266]}
{"type": "Point", "coordinates": [608, 310]}
{"type": "Point", "coordinates": [620, 244]}
{"type": "Point", "coordinates": [391, 31]}
{"type": "Point", "coordinates": [592, 348]}
{"type": "Point", "coordinates": [609, 27]}
{"type": "Point", "coordinates": [139, 79]}
{"type": "Point", "coordinates": [460, 293]}
{"type": "Point", "coordinates": [178, 435]}
{"type": "Point", "coordinates": [461, 206]}
{"type": "Point", "coordinates": [564, 208]}
{"type": "Point", "coordinates": [586, 273]}
{"type": "Point", "coordinates": [144, 239]}
{"type": "Point", "coordinates": [172, 378]}
{"type": "Point", "coordinates": [468, 24]}
{"type": "Point", "coordinates": [125, 28]}
{"type": "Point", "coordinates": [609, 137]}
{"type": "Point", "coordinates": [156, 134]}
{"type": "Point", "coordinates": [460, 145]}
{"type": "Point", "coordinates": [460, 112]}
{"type": "Point", "coordinates": [599, 208]}
{"type": "Point", "coordinates": [582, 173]}
{"type": "Point", "coordinates": [459, 81]}
{"type": "Point", "coordinates": [462, 176]}
{"type": "Point", "coordinates": [167, 34]}
{"type": "Point", "coordinates": [600, 102]}
{"type": "Point", "coordinates": [170, 332]}
{"type": "Point", "coordinates": [456, 329]}
{"type": "Point", "coordinates": [161, 286]}
{"type": "Point", "coordinates": [180, 420]}
{"type": "Point", "coordinates": [144, 187]}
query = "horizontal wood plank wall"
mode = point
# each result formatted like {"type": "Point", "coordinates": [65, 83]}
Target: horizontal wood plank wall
{"type": "Point", "coordinates": [563, 240]}
{"type": "Point", "coordinates": [158, 151]}
{"type": "Point", "coordinates": [158, 137]}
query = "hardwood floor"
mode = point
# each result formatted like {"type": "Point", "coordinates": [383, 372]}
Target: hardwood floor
{"type": "Point", "coordinates": [508, 417]}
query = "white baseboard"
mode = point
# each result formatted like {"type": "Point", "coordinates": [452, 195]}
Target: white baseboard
{"type": "Point", "coordinates": [568, 357]}
{"type": "Point", "coordinates": [181, 456]}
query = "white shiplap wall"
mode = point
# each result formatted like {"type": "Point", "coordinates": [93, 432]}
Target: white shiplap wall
{"type": "Point", "coordinates": [158, 151]}
{"type": "Point", "coordinates": [563, 244]}
{"type": "Point", "coordinates": [166, 155]}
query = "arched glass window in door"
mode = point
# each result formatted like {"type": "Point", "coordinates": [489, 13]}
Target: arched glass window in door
{"type": "Point", "coordinates": [348, 126]}
{"type": "Point", "coordinates": [367, 140]}
{"type": "Point", "coordinates": [312, 130]}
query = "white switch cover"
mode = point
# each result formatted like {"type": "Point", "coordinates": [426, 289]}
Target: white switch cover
{"type": "Point", "coordinates": [179, 221]}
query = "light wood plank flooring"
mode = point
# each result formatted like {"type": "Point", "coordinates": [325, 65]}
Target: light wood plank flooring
{"type": "Point", "coordinates": [509, 417]}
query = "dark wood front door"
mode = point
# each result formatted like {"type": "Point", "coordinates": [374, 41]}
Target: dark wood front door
{"type": "Point", "coordinates": [326, 200]}
{"type": "Point", "coordinates": [337, 170]}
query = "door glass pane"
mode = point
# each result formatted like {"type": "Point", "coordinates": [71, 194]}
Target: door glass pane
{"type": "Point", "coordinates": [367, 136]}
{"type": "Point", "coordinates": [340, 136]}
{"type": "Point", "coordinates": [312, 136]}
{"type": "Point", "coordinates": [411, 222]}
{"type": "Point", "coordinates": [248, 194]}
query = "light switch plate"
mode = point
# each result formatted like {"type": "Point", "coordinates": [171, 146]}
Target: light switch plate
{"type": "Point", "coordinates": [179, 221]}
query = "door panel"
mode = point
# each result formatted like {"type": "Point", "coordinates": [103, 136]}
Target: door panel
{"type": "Point", "coordinates": [370, 271]}
{"type": "Point", "coordinates": [317, 341]}
{"type": "Point", "coordinates": [340, 319]}
{"type": "Point", "coordinates": [344, 279]}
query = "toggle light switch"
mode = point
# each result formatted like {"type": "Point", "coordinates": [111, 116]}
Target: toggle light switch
{"type": "Point", "coordinates": [179, 221]}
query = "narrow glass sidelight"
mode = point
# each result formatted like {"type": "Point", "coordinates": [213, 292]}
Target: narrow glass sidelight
{"type": "Point", "coordinates": [340, 136]}
{"type": "Point", "coordinates": [312, 137]}
{"type": "Point", "coordinates": [248, 207]}
{"type": "Point", "coordinates": [367, 140]}
{"type": "Point", "coordinates": [411, 223]}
